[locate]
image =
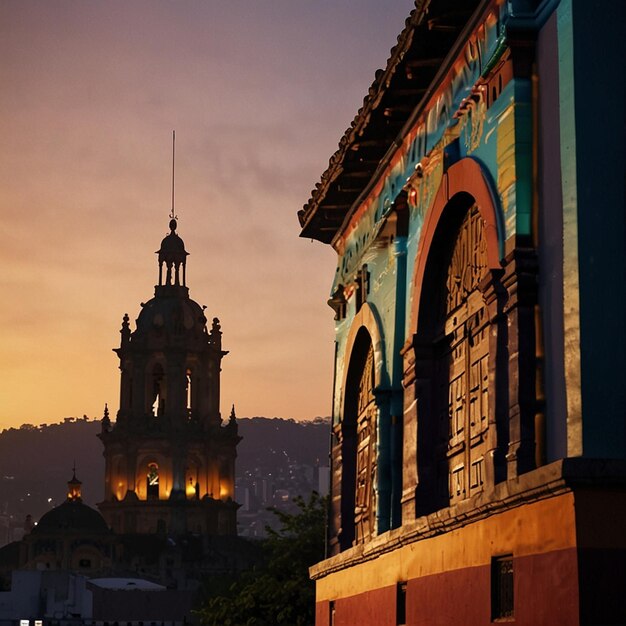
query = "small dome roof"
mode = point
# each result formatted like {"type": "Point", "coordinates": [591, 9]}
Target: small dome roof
{"type": "Point", "coordinates": [172, 247]}
{"type": "Point", "coordinates": [71, 516]}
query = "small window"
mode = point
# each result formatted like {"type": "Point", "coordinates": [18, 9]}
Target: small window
{"type": "Point", "coordinates": [331, 611]}
{"type": "Point", "coordinates": [502, 603]}
{"type": "Point", "coordinates": [401, 604]}
{"type": "Point", "coordinates": [84, 563]}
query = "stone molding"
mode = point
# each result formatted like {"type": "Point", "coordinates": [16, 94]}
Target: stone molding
{"type": "Point", "coordinates": [562, 476]}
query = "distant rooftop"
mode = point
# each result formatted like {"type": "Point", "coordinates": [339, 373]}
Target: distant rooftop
{"type": "Point", "coordinates": [126, 584]}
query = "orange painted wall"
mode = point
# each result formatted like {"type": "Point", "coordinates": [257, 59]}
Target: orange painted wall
{"type": "Point", "coordinates": [449, 575]}
{"type": "Point", "coordinates": [535, 528]}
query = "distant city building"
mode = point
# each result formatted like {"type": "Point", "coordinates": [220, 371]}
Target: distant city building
{"type": "Point", "coordinates": [63, 597]}
{"type": "Point", "coordinates": [476, 205]}
{"type": "Point", "coordinates": [54, 573]}
{"type": "Point", "coordinates": [170, 462]}
{"type": "Point", "coordinates": [323, 486]}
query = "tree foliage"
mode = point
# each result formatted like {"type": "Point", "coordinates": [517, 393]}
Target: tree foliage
{"type": "Point", "coordinates": [278, 590]}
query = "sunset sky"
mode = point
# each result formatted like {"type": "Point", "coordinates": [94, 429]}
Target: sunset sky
{"type": "Point", "coordinates": [259, 94]}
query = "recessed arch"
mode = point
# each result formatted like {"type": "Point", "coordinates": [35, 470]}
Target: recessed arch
{"type": "Point", "coordinates": [464, 177]}
{"type": "Point", "coordinates": [152, 481]}
{"type": "Point", "coordinates": [366, 318]}
{"type": "Point", "coordinates": [364, 373]}
{"type": "Point", "coordinates": [160, 490]}
{"type": "Point", "coordinates": [452, 362]}
{"type": "Point", "coordinates": [156, 386]}
{"type": "Point", "coordinates": [195, 477]}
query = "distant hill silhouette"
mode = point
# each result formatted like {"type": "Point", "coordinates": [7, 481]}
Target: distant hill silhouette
{"type": "Point", "coordinates": [36, 461]}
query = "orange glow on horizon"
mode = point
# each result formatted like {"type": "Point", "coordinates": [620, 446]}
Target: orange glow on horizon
{"type": "Point", "coordinates": [86, 162]}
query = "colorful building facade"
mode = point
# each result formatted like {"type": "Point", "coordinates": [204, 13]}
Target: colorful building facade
{"type": "Point", "coordinates": [476, 205]}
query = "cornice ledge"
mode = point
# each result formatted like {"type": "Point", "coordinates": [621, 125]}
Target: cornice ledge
{"type": "Point", "coordinates": [542, 483]}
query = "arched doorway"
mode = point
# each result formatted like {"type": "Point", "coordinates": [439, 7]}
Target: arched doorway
{"type": "Point", "coordinates": [454, 344]}
{"type": "Point", "coordinates": [358, 496]}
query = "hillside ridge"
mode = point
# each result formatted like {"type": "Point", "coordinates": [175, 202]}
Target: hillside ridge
{"type": "Point", "coordinates": [36, 461]}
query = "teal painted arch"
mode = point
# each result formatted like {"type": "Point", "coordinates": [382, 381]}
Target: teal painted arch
{"type": "Point", "coordinates": [367, 318]}
{"type": "Point", "coordinates": [496, 201]}
{"type": "Point", "coordinates": [365, 330]}
{"type": "Point", "coordinates": [466, 176]}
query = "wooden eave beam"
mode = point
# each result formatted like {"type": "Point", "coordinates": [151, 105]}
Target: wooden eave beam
{"type": "Point", "coordinates": [341, 196]}
{"type": "Point", "coordinates": [334, 207]}
{"type": "Point", "coordinates": [374, 142]}
{"type": "Point", "coordinates": [393, 111]}
{"type": "Point", "coordinates": [359, 167]}
{"type": "Point", "coordinates": [421, 62]}
{"type": "Point", "coordinates": [360, 173]}
{"type": "Point", "coordinates": [344, 188]}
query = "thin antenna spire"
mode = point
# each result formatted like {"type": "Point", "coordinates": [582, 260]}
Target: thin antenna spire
{"type": "Point", "coordinates": [172, 214]}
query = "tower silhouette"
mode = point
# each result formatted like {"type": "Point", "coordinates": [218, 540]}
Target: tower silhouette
{"type": "Point", "coordinates": [169, 459]}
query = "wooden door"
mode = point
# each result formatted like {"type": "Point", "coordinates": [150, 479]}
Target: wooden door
{"type": "Point", "coordinates": [461, 369]}
{"type": "Point", "coordinates": [365, 501]}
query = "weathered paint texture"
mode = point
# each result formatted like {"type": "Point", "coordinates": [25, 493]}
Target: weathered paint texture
{"type": "Point", "coordinates": [479, 111]}
{"type": "Point", "coordinates": [512, 133]}
{"type": "Point", "coordinates": [520, 531]}
{"type": "Point", "coordinates": [482, 110]}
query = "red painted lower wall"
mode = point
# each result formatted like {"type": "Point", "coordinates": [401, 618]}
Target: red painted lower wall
{"type": "Point", "coordinates": [545, 592]}
{"type": "Point", "coordinates": [374, 607]}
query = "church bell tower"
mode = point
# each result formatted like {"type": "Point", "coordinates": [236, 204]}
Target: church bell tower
{"type": "Point", "coordinates": [169, 458]}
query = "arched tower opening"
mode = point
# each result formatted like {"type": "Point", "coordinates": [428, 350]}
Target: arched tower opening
{"type": "Point", "coordinates": [152, 481]}
{"type": "Point", "coordinates": [157, 388]}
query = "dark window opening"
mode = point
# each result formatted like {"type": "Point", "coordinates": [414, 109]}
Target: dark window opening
{"type": "Point", "coordinates": [502, 603]}
{"type": "Point", "coordinates": [331, 611]}
{"type": "Point", "coordinates": [401, 604]}
{"type": "Point", "coordinates": [84, 563]}
{"type": "Point", "coordinates": [157, 406]}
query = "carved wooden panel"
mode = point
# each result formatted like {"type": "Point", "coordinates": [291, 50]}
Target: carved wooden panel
{"type": "Point", "coordinates": [366, 382]}
{"type": "Point", "coordinates": [364, 502]}
{"type": "Point", "coordinates": [469, 260]}
{"type": "Point", "coordinates": [462, 364]}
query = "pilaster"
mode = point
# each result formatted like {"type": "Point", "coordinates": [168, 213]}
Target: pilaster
{"type": "Point", "coordinates": [520, 282]}
{"type": "Point", "coordinates": [494, 295]}
{"type": "Point", "coordinates": [409, 433]}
